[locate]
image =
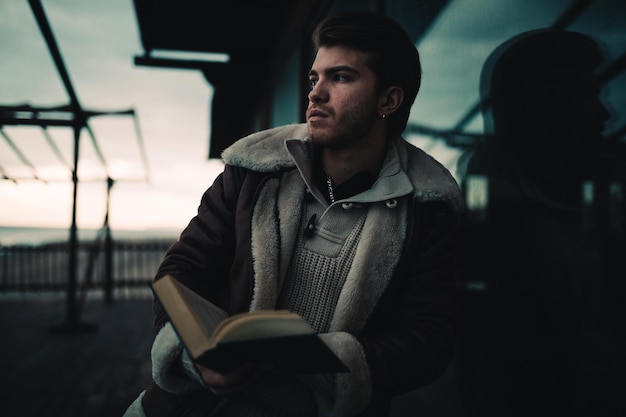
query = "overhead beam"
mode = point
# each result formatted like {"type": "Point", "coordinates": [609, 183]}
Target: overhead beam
{"type": "Point", "coordinates": [186, 64]}
{"type": "Point", "coordinates": [46, 31]}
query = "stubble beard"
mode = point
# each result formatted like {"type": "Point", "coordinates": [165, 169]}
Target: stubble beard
{"type": "Point", "coordinates": [345, 132]}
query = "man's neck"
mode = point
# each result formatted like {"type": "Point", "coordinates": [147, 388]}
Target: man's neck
{"type": "Point", "coordinates": [343, 164]}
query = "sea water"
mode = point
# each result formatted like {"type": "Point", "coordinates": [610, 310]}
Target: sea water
{"type": "Point", "coordinates": [40, 235]}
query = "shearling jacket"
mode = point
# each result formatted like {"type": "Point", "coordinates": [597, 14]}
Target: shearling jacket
{"type": "Point", "coordinates": [394, 322]}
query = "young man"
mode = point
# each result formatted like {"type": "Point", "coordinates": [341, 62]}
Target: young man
{"type": "Point", "coordinates": [340, 220]}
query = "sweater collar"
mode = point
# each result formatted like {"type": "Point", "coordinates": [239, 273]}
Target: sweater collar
{"type": "Point", "coordinates": [392, 181]}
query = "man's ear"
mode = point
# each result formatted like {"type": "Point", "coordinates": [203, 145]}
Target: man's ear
{"type": "Point", "coordinates": [390, 100]}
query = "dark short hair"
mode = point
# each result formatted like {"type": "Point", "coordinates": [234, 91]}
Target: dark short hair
{"type": "Point", "coordinates": [392, 54]}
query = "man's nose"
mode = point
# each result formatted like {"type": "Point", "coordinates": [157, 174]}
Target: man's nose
{"type": "Point", "coordinates": [318, 93]}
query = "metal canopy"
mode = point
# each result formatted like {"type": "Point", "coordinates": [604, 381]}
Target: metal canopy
{"type": "Point", "coordinates": [257, 36]}
{"type": "Point", "coordinates": [209, 26]}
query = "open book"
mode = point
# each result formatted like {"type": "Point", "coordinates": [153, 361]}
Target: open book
{"type": "Point", "coordinates": [222, 343]}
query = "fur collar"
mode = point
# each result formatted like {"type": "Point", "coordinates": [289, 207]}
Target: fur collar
{"type": "Point", "coordinates": [265, 151]}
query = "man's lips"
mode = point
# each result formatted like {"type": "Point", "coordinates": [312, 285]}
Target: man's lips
{"type": "Point", "coordinates": [316, 114]}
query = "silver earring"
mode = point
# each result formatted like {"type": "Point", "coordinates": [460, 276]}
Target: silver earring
{"type": "Point", "coordinates": [383, 115]}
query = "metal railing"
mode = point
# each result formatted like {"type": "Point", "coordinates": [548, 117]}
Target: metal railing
{"type": "Point", "coordinates": [44, 268]}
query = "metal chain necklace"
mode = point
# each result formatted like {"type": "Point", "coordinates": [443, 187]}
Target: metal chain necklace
{"type": "Point", "coordinates": [329, 183]}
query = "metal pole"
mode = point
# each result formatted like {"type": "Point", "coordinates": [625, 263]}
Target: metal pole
{"type": "Point", "coordinates": [71, 310]}
{"type": "Point", "coordinates": [72, 320]}
{"type": "Point", "coordinates": [108, 248]}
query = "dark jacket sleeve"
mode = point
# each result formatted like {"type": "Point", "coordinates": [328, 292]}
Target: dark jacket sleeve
{"type": "Point", "coordinates": [202, 256]}
{"type": "Point", "coordinates": [409, 340]}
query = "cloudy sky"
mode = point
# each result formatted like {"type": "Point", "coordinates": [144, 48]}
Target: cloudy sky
{"type": "Point", "coordinates": [98, 41]}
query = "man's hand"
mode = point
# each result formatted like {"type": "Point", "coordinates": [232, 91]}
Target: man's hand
{"type": "Point", "coordinates": [238, 380]}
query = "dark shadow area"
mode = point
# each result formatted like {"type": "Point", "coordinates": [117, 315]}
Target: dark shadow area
{"type": "Point", "coordinates": [79, 374]}
{"type": "Point", "coordinates": [542, 274]}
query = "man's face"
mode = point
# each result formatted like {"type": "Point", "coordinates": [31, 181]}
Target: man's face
{"type": "Point", "coordinates": [343, 103]}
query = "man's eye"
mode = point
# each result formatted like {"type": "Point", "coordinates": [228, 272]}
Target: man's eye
{"type": "Point", "coordinates": [341, 77]}
{"type": "Point", "coordinates": [312, 82]}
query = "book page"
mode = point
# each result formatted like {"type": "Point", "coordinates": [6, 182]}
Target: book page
{"type": "Point", "coordinates": [207, 313]}
{"type": "Point", "coordinates": [262, 324]}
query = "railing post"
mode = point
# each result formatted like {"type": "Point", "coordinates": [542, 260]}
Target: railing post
{"type": "Point", "coordinates": [108, 265]}
{"type": "Point", "coordinates": [108, 248]}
